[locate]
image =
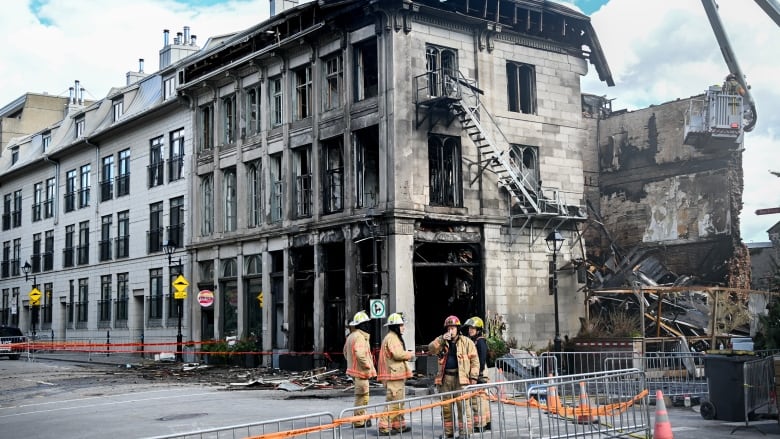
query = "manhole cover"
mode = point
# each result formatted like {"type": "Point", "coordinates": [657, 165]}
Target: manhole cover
{"type": "Point", "coordinates": [182, 416]}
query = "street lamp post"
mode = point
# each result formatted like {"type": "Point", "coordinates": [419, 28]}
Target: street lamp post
{"type": "Point", "coordinates": [169, 248]}
{"type": "Point", "coordinates": [554, 243]}
{"type": "Point", "coordinates": [26, 268]}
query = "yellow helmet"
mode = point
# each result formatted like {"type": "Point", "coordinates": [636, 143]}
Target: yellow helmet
{"type": "Point", "coordinates": [475, 322]}
{"type": "Point", "coordinates": [360, 317]}
{"type": "Point", "coordinates": [396, 318]}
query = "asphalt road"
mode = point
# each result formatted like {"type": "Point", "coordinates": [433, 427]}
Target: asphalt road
{"type": "Point", "coordinates": [51, 399]}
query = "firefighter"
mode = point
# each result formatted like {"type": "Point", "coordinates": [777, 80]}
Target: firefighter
{"type": "Point", "coordinates": [360, 363]}
{"type": "Point", "coordinates": [480, 407]}
{"type": "Point", "coordinates": [732, 87]}
{"type": "Point", "coordinates": [393, 372]}
{"type": "Point", "coordinates": [458, 367]}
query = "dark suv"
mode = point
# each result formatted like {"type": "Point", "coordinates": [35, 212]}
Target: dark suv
{"type": "Point", "coordinates": [9, 335]}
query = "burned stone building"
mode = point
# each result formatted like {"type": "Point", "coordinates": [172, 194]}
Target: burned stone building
{"type": "Point", "coordinates": [416, 153]}
{"type": "Point", "coordinates": [665, 197]}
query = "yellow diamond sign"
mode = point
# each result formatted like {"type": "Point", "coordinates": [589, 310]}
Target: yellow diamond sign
{"type": "Point", "coordinates": [180, 285]}
{"type": "Point", "coordinates": [35, 296]}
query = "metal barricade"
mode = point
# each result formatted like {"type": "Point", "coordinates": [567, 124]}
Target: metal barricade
{"type": "Point", "coordinates": [759, 377]}
{"type": "Point", "coordinates": [316, 425]}
{"type": "Point", "coordinates": [676, 374]}
{"type": "Point", "coordinates": [610, 403]}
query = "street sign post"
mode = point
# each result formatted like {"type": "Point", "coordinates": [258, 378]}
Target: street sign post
{"type": "Point", "coordinates": [377, 307]}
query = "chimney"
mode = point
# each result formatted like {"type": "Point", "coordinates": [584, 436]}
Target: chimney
{"type": "Point", "coordinates": [182, 47]}
{"type": "Point", "coordinates": [81, 96]}
{"type": "Point", "coordinates": [140, 65]}
{"type": "Point", "coordinates": [70, 96]}
{"type": "Point", "coordinates": [76, 98]}
{"type": "Point", "coordinates": [165, 37]}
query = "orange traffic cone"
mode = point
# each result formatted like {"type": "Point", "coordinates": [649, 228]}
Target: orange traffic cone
{"type": "Point", "coordinates": [552, 399]}
{"type": "Point", "coordinates": [663, 429]}
{"type": "Point", "coordinates": [585, 413]}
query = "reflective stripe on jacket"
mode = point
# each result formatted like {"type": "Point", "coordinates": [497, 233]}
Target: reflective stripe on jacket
{"type": "Point", "coordinates": [393, 359]}
{"type": "Point", "coordinates": [357, 351]}
{"type": "Point", "coordinates": [468, 362]}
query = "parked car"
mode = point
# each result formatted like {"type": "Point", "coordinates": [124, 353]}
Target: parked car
{"type": "Point", "coordinates": [9, 338]}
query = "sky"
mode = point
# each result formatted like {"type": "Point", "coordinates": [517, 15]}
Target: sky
{"type": "Point", "coordinates": [658, 51]}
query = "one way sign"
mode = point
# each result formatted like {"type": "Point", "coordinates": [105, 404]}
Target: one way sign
{"type": "Point", "coordinates": [377, 307]}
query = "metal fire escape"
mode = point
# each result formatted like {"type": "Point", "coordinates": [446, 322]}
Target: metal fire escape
{"type": "Point", "coordinates": [446, 95]}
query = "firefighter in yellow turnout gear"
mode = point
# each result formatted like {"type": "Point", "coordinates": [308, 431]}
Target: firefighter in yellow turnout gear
{"type": "Point", "coordinates": [480, 407]}
{"type": "Point", "coordinates": [393, 372]}
{"type": "Point", "coordinates": [360, 363]}
{"type": "Point", "coordinates": [458, 367]}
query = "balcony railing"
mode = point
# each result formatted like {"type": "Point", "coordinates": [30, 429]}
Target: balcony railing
{"type": "Point", "coordinates": [123, 185]}
{"type": "Point", "coordinates": [83, 197]}
{"type": "Point", "coordinates": [68, 256]}
{"type": "Point", "coordinates": [36, 262]}
{"type": "Point", "coordinates": [36, 212]}
{"type": "Point", "coordinates": [175, 167]}
{"type": "Point", "coordinates": [155, 306]}
{"type": "Point", "coordinates": [105, 250]}
{"type": "Point", "coordinates": [176, 234]}
{"type": "Point", "coordinates": [122, 247]}
{"type": "Point", "coordinates": [70, 201]}
{"type": "Point", "coordinates": [15, 267]}
{"type": "Point", "coordinates": [121, 309]}
{"type": "Point", "coordinates": [104, 310]}
{"type": "Point", "coordinates": [106, 190]}
{"type": "Point", "coordinates": [5, 269]}
{"type": "Point", "coordinates": [16, 217]}
{"type": "Point", "coordinates": [83, 254]}
{"type": "Point", "coordinates": [6, 221]}
{"type": "Point", "coordinates": [154, 240]}
{"type": "Point", "coordinates": [48, 208]}
{"type": "Point", "coordinates": [156, 174]}
{"type": "Point", "coordinates": [48, 261]}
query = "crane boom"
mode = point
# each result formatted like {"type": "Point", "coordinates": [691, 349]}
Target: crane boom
{"type": "Point", "coordinates": [772, 9]}
{"type": "Point", "coordinates": [711, 8]}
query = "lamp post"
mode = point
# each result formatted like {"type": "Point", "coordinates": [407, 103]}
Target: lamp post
{"type": "Point", "coordinates": [26, 268]}
{"type": "Point", "coordinates": [169, 247]}
{"type": "Point", "coordinates": [554, 243]}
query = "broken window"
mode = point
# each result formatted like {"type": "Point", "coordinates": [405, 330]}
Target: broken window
{"type": "Point", "coordinates": [206, 121]}
{"type": "Point", "coordinates": [229, 119]}
{"type": "Point", "coordinates": [366, 143]}
{"type": "Point", "coordinates": [231, 203]}
{"type": "Point", "coordinates": [275, 86]}
{"type": "Point", "coordinates": [441, 63]}
{"type": "Point", "coordinates": [333, 175]}
{"type": "Point", "coordinates": [277, 187]}
{"type": "Point", "coordinates": [252, 97]}
{"type": "Point", "coordinates": [521, 87]}
{"type": "Point", "coordinates": [253, 184]}
{"type": "Point", "coordinates": [276, 276]}
{"type": "Point", "coordinates": [302, 168]}
{"type": "Point", "coordinates": [524, 160]}
{"type": "Point", "coordinates": [254, 300]}
{"type": "Point", "coordinates": [334, 77]}
{"type": "Point", "coordinates": [366, 70]}
{"type": "Point", "coordinates": [302, 97]}
{"type": "Point", "coordinates": [207, 205]}
{"type": "Point", "coordinates": [444, 171]}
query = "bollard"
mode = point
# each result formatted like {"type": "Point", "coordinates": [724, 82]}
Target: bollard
{"type": "Point", "coordinates": [108, 342]}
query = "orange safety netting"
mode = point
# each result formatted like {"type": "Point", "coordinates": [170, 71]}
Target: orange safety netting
{"type": "Point", "coordinates": [337, 422]}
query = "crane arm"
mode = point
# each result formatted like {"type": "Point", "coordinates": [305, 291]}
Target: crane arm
{"type": "Point", "coordinates": [772, 9]}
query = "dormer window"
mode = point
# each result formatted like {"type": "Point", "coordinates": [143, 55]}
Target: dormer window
{"type": "Point", "coordinates": [80, 125]}
{"type": "Point", "coordinates": [169, 88]}
{"type": "Point", "coordinates": [118, 106]}
{"type": "Point", "coordinates": [46, 140]}
{"type": "Point", "coordinates": [14, 155]}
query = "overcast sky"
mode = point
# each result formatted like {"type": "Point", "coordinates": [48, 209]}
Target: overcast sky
{"type": "Point", "coordinates": [658, 51]}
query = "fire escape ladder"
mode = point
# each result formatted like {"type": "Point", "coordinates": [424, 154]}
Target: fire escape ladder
{"type": "Point", "coordinates": [494, 148]}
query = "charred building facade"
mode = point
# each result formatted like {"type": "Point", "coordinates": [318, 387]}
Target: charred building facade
{"type": "Point", "coordinates": [416, 153]}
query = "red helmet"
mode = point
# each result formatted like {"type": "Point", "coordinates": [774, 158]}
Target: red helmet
{"type": "Point", "coordinates": [451, 321]}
